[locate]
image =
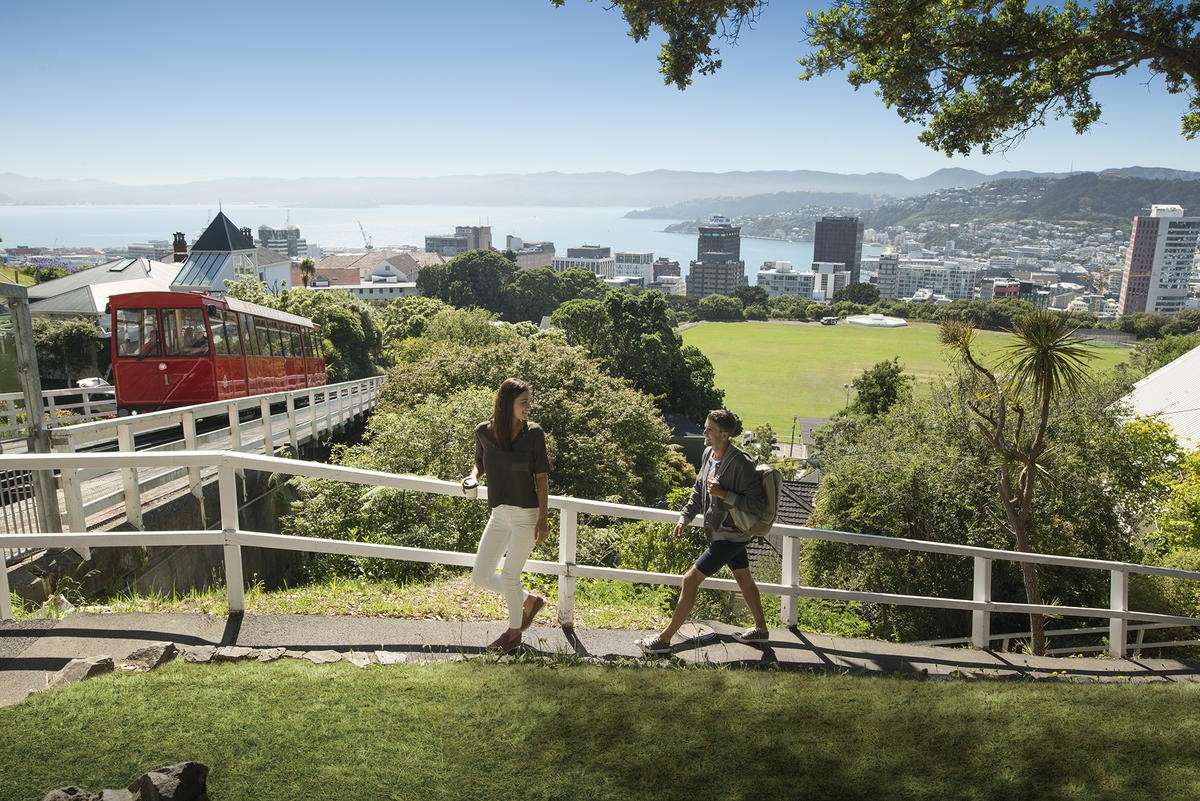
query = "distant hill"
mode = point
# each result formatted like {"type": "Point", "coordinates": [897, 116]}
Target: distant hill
{"type": "Point", "coordinates": [1110, 198]}
{"type": "Point", "coordinates": [754, 205]}
{"type": "Point", "coordinates": [653, 188]}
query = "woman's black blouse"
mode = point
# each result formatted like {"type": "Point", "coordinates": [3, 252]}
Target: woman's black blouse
{"type": "Point", "coordinates": [510, 472]}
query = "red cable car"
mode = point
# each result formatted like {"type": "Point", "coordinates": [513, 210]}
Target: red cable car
{"type": "Point", "coordinates": [181, 348]}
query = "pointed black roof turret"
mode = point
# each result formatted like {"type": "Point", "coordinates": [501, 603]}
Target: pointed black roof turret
{"type": "Point", "coordinates": [222, 235]}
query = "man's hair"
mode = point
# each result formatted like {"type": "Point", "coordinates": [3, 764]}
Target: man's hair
{"type": "Point", "coordinates": [727, 421]}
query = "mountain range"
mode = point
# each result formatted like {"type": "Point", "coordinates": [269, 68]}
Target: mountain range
{"type": "Point", "coordinates": [656, 187]}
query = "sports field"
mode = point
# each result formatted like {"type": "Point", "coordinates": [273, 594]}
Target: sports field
{"type": "Point", "coordinates": [772, 371]}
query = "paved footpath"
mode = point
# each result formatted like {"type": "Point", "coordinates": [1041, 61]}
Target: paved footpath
{"type": "Point", "coordinates": [30, 650]}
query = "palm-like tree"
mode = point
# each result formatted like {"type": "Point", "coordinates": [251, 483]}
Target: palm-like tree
{"type": "Point", "coordinates": [1045, 365]}
{"type": "Point", "coordinates": [308, 271]}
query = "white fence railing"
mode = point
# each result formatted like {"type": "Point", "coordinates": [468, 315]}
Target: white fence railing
{"type": "Point", "coordinates": [326, 407]}
{"type": "Point", "coordinates": [232, 537]}
{"type": "Point", "coordinates": [60, 407]}
{"type": "Point", "coordinates": [1138, 645]}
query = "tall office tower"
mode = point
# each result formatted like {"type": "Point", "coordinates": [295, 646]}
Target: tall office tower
{"type": "Point", "coordinates": [1158, 261]}
{"type": "Point", "coordinates": [718, 268]}
{"type": "Point", "coordinates": [840, 239]}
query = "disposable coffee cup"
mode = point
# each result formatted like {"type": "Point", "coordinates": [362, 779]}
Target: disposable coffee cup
{"type": "Point", "coordinates": [470, 488]}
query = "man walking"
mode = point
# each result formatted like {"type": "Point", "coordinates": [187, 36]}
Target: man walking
{"type": "Point", "coordinates": [727, 480]}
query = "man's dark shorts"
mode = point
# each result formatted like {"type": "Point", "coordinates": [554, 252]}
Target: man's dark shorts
{"type": "Point", "coordinates": [721, 553]}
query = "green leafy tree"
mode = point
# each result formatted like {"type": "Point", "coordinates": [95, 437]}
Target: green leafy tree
{"type": "Point", "coordinates": [1179, 520]}
{"type": "Point", "coordinates": [1046, 365]}
{"type": "Point", "coordinates": [581, 284]}
{"type": "Point", "coordinates": [974, 74]}
{"type": "Point", "coordinates": [751, 295]}
{"type": "Point", "coordinates": [720, 307]}
{"type": "Point", "coordinates": [474, 278]}
{"type": "Point", "coordinates": [308, 271]}
{"type": "Point", "coordinates": [532, 294]}
{"type": "Point", "coordinates": [633, 336]}
{"type": "Point", "coordinates": [407, 317]}
{"type": "Point", "coordinates": [66, 348]}
{"type": "Point", "coordinates": [879, 388]}
{"type": "Point", "coordinates": [866, 294]}
{"type": "Point", "coordinates": [1155, 353]}
{"type": "Point", "coordinates": [431, 280]}
{"type": "Point", "coordinates": [927, 471]}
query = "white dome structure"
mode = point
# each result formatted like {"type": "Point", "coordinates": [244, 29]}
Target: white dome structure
{"type": "Point", "coordinates": [877, 321]}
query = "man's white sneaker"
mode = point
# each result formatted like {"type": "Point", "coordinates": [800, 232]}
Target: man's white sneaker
{"type": "Point", "coordinates": [752, 636]}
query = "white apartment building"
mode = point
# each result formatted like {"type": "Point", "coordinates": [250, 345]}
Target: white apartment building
{"type": "Point", "coordinates": [901, 278]}
{"type": "Point", "coordinates": [635, 265]}
{"type": "Point", "coordinates": [819, 283]}
{"type": "Point", "coordinates": [605, 268]}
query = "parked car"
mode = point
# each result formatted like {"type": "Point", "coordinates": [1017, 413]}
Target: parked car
{"type": "Point", "coordinates": [829, 321]}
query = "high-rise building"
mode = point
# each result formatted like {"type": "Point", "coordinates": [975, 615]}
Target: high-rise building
{"type": "Point", "coordinates": [840, 239]}
{"type": "Point", "coordinates": [464, 238]}
{"type": "Point", "coordinates": [1158, 261]}
{"type": "Point", "coordinates": [718, 268]}
{"type": "Point", "coordinates": [284, 241]}
{"type": "Point", "coordinates": [664, 266]}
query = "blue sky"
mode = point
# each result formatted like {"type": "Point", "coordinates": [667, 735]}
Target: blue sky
{"type": "Point", "coordinates": [150, 92]}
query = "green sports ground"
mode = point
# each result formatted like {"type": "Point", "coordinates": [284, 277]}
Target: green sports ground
{"type": "Point", "coordinates": [772, 371]}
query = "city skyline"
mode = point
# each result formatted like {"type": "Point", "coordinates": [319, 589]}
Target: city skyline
{"type": "Point", "coordinates": [138, 94]}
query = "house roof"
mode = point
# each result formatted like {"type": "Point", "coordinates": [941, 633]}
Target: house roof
{"type": "Point", "coordinates": [116, 271]}
{"type": "Point", "coordinates": [90, 299]}
{"type": "Point", "coordinates": [796, 501]}
{"type": "Point", "coordinates": [1169, 393]}
{"type": "Point", "coordinates": [222, 235]}
{"type": "Point", "coordinates": [265, 256]}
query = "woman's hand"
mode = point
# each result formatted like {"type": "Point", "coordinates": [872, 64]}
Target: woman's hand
{"type": "Point", "coordinates": [715, 489]}
{"type": "Point", "coordinates": [541, 531]}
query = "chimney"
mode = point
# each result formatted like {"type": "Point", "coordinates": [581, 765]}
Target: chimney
{"type": "Point", "coordinates": [246, 233]}
{"type": "Point", "coordinates": [180, 247]}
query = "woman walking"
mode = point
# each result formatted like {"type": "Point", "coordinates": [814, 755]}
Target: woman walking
{"type": "Point", "coordinates": [511, 451]}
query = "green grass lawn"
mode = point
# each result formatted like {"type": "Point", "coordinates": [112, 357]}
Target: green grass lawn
{"type": "Point", "coordinates": [772, 371]}
{"type": "Point", "coordinates": [482, 730]}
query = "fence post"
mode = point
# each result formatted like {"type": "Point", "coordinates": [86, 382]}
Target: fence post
{"type": "Point", "coordinates": [189, 444]}
{"type": "Point", "coordinates": [227, 485]}
{"type": "Point", "coordinates": [51, 411]}
{"type": "Point", "coordinates": [129, 477]}
{"type": "Point", "coordinates": [235, 431]}
{"type": "Point", "coordinates": [328, 411]}
{"type": "Point", "coordinates": [5, 599]}
{"type": "Point", "coordinates": [264, 406]}
{"type": "Point", "coordinates": [293, 437]}
{"type": "Point", "coordinates": [1118, 628]}
{"type": "Point", "coordinates": [72, 489]}
{"type": "Point", "coordinates": [789, 608]}
{"type": "Point", "coordinates": [568, 534]}
{"type": "Point", "coordinates": [12, 415]}
{"type": "Point", "coordinates": [312, 415]}
{"type": "Point", "coordinates": [981, 619]}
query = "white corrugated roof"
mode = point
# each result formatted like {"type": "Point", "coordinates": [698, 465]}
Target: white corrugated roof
{"type": "Point", "coordinates": [1172, 393]}
{"type": "Point", "coordinates": [91, 299]}
{"type": "Point", "coordinates": [246, 307]}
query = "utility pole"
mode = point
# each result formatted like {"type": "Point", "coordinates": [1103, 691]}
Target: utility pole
{"type": "Point", "coordinates": [45, 493]}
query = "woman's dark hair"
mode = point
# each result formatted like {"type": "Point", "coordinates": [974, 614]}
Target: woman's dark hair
{"type": "Point", "coordinates": [727, 421]}
{"type": "Point", "coordinates": [502, 412]}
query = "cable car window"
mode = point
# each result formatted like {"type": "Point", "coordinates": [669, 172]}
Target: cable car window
{"type": "Point", "coordinates": [137, 332]}
{"type": "Point", "coordinates": [216, 319]}
{"type": "Point", "coordinates": [232, 335]}
{"type": "Point", "coordinates": [282, 341]}
{"type": "Point", "coordinates": [265, 346]}
{"type": "Point", "coordinates": [297, 346]}
{"type": "Point", "coordinates": [250, 334]}
{"type": "Point", "coordinates": [305, 344]}
{"type": "Point", "coordinates": [184, 333]}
